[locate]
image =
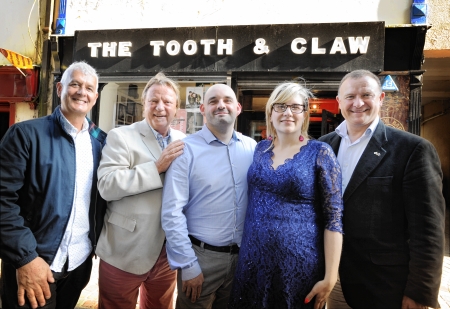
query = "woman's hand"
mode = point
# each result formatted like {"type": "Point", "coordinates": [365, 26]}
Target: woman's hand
{"type": "Point", "coordinates": [321, 290]}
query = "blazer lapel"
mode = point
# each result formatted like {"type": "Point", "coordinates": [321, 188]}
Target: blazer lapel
{"type": "Point", "coordinates": [370, 158]}
{"type": "Point", "coordinates": [149, 139]}
{"type": "Point", "coordinates": [335, 142]}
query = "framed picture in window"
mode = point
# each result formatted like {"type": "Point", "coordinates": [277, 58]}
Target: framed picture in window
{"type": "Point", "coordinates": [194, 97]}
{"type": "Point", "coordinates": [121, 111]}
{"type": "Point", "coordinates": [122, 99]}
{"type": "Point", "coordinates": [129, 119]}
{"type": "Point", "coordinates": [131, 107]}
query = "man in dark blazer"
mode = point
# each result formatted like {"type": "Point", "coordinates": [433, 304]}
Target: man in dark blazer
{"type": "Point", "coordinates": [393, 204]}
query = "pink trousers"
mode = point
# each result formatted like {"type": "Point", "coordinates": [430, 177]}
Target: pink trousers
{"type": "Point", "coordinates": [119, 289]}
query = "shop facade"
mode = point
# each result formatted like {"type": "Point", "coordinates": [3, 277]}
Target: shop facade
{"type": "Point", "coordinates": [252, 60]}
{"type": "Point", "coordinates": [16, 87]}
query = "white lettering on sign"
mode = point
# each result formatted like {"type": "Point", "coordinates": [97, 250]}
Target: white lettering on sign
{"type": "Point", "coordinates": [207, 44]}
{"type": "Point", "coordinates": [173, 48]}
{"type": "Point", "coordinates": [228, 46]}
{"type": "Point", "coordinates": [156, 47]}
{"type": "Point", "coordinates": [315, 50]}
{"type": "Point", "coordinates": [94, 49]}
{"type": "Point", "coordinates": [109, 49]}
{"type": "Point", "coordinates": [294, 46]}
{"type": "Point", "coordinates": [358, 43]}
{"type": "Point", "coordinates": [124, 49]}
{"type": "Point", "coordinates": [260, 47]}
{"type": "Point", "coordinates": [338, 46]}
{"type": "Point", "coordinates": [190, 47]}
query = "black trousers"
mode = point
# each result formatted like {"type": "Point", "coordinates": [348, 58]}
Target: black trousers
{"type": "Point", "coordinates": [65, 291]}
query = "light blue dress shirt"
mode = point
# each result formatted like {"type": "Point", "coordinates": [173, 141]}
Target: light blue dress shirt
{"type": "Point", "coordinates": [350, 153]}
{"type": "Point", "coordinates": [205, 195]}
{"type": "Point", "coordinates": [162, 141]}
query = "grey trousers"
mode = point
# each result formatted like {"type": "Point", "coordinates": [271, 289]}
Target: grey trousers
{"type": "Point", "coordinates": [218, 271]}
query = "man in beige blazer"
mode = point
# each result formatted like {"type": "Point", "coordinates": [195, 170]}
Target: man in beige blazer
{"type": "Point", "coordinates": [131, 176]}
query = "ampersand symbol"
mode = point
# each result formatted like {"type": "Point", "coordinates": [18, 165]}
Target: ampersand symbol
{"type": "Point", "coordinates": [260, 47]}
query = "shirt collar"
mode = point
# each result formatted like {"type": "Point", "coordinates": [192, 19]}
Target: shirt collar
{"type": "Point", "coordinates": [210, 137]}
{"type": "Point", "coordinates": [69, 127]}
{"type": "Point", "coordinates": [341, 130]}
{"type": "Point", "coordinates": [156, 133]}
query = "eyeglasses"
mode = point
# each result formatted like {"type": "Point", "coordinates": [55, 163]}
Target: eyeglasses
{"type": "Point", "coordinates": [295, 108]}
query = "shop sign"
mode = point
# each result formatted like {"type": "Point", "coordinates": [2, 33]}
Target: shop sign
{"type": "Point", "coordinates": [338, 47]}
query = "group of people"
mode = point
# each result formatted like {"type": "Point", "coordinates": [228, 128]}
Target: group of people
{"type": "Point", "coordinates": [230, 223]}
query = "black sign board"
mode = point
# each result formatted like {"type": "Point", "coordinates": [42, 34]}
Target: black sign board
{"type": "Point", "coordinates": [336, 47]}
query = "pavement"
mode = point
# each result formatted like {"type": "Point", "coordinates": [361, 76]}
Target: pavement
{"type": "Point", "coordinates": [88, 299]}
{"type": "Point", "coordinates": [89, 296]}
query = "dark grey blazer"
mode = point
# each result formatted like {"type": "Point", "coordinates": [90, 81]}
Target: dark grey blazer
{"type": "Point", "coordinates": [393, 222]}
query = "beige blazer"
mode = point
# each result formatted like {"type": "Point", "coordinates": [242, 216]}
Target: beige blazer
{"type": "Point", "coordinates": [132, 237]}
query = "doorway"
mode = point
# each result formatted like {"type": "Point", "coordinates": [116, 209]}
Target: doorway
{"type": "Point", "coordinates": [6, 118]}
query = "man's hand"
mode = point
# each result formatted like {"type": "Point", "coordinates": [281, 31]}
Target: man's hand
{"type": "Point", "coordinates": [408, 303]}
{"type": "Point", "coordinates": [170, 153]}
{"type": "Point", "coordinates": [32, 280]}
{"type": "Point", "coordinates": [193, 288]}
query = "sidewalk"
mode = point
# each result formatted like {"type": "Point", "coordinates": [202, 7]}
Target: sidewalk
{"type": "Point", "coordinates": [88, 299]}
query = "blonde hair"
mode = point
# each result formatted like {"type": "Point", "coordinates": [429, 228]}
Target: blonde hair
{"type": "Point", "coordinates": [163, 80]}
{"type": "Point", "coordinates": [282, 94]}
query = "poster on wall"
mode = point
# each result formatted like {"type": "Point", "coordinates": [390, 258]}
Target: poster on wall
{"type": "Point", "coordinates": [179, 122]}
{"type": "Point", "coordinates": [195, 121]}
{"type": "Point", "coordinates": [194, 97]}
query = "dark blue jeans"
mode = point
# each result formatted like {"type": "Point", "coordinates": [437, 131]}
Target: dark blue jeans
{"type": "Point", "coordinates": [65, 291]}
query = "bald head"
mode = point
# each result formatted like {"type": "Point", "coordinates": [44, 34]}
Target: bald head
{"type": "Point", "coordinates": [220, 107]}
{"type": "Point", "coordinates": [214, 90]}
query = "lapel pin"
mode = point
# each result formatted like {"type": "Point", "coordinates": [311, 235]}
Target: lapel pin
{"type": "Point", "coordinates": [377, 153]}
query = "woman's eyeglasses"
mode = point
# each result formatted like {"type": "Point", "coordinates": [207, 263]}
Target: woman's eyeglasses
{"type": "Point", "coordinates": [295, 108]}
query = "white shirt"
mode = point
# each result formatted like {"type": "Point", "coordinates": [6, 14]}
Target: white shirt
{"type": "Point", "coordinates": [350, 153]}
{"type": "Point", "coordinates": [75, 243]}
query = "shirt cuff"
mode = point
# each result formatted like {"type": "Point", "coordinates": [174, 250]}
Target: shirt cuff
{"type": "Point", "coordinates": [191, 272]}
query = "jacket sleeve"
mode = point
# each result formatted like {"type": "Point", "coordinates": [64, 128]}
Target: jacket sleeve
{"type": "Point", "coordinates": [17, 242]}
{"type": "Point", "coordinates": [424, 206]}
{"type": "Point", "coordinates": [119, 175]}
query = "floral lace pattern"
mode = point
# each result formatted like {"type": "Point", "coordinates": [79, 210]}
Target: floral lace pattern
{"type": "Point", "coordinates": [282, 251]}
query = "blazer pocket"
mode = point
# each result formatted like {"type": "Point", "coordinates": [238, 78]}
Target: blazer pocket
{"type": "Point", "coordinates": [389, 258]}
{"type": "Point", "coordinates": [380, 181]}
{"type": "Point", "coordinates": [122, 221]}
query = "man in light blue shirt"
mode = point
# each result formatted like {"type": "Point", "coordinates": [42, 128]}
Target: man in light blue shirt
{"type": "Point", "coordinates": [204, 204]}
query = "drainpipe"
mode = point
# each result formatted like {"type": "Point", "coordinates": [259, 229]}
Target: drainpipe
{"type": "Point", "coordinates": [45, 62]}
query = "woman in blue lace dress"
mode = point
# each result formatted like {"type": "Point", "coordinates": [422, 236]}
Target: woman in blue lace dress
{"type": "Point", "coordinates": [292, 240]}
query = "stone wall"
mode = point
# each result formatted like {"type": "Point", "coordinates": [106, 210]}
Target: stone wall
{"type": "Point", "coordinates": [438, 36]}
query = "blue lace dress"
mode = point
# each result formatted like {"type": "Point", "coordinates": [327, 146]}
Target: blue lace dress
{"type": "Point", "coordinates": [282, 250]}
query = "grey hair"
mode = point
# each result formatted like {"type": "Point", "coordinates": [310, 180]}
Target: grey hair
{"type": "Point", "coordinates": [80, 66]}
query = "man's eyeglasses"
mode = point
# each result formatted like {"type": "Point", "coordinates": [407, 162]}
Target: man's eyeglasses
{"type": "Point", "coordinates": [295, 108]}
